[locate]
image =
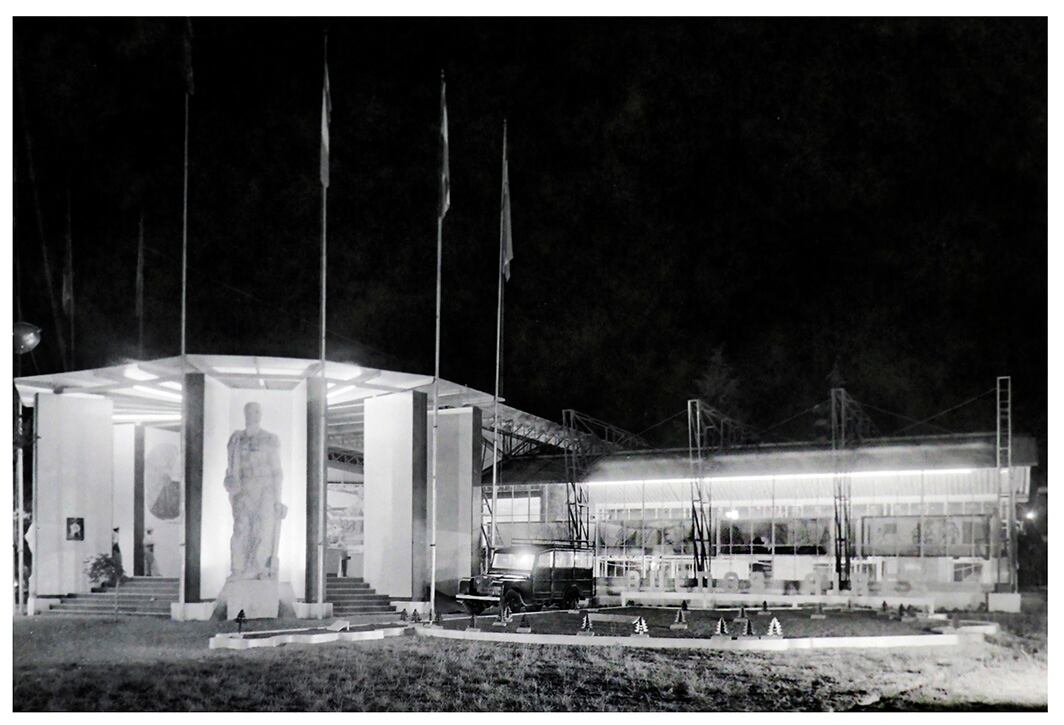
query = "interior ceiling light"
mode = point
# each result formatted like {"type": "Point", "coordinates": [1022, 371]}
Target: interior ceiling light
{"type": "Point", "coordinates": [342, 371]}
{"type": "Point", "coordinates": [288, 372]}
{"type": "Point", "coordinates": [156, 393]}
{"type": "Point", "coordinates": [33, 388]}
{"type": "Point", "coordinates": [341, 391]}
{"type": "Point", "coordinates": [227, 370]}
{"type": "Point", "coordinates": [146, 418]}
{"type": "Point", "coordinates": [172, 384]}
{"type": "Point", "coordinates": [135, 373]}
{"type": "Point", "coordinates": [789, 476]}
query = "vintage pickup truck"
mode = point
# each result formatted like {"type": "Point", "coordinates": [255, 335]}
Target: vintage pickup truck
{"type": "Point", "coordinates": [531, 576]}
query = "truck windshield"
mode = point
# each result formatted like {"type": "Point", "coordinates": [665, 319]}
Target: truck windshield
{"type": "Point", "coordinates": [513, 560]}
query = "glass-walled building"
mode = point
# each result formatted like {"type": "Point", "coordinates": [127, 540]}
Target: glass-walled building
{"type": "Point", "coordinates": [929, 512]}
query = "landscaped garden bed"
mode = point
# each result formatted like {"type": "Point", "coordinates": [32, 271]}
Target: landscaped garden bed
{"type": "Point", "coordinates": [702, 623]}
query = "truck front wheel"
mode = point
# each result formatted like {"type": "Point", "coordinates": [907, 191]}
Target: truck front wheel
{"type": "Point", "coordinates": [474, 607]}
{"type": "Point", "coordinates": [513, 600]}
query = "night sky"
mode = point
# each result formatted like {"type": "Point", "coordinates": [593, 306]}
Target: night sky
{"type": "Point", "coordinates": [762, 198]}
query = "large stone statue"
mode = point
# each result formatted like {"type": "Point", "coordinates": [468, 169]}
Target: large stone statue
{"type": "Point", "coordinates": [253, 480]}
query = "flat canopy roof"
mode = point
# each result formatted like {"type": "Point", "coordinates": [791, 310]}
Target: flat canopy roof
{"type": "Point", "coordinates": [149, 391]}
{"type": "Point", "coordinates": [954, 452]}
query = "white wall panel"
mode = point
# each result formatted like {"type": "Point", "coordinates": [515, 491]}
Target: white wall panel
{"type": "Point", "coordinates": [74, 457]}
{"type": "Point", "coordinates": [395, 511]}
{"type": "Point", "coordinates": [456, 469]}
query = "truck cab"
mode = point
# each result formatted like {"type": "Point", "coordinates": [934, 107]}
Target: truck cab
{"type": "Point", "coordinates": [531, 576]}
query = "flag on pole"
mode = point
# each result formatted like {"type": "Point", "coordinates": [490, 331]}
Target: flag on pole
{"type": "Point", "coordinates": [140, 269]}
{"type": "Point", "coordinates": [68, 266]}
{"type": "Point", "coordinates": [186, 47]}
{"type": "Point", "coordinates": [445, 160]}
{"type": "Point", "coordinates": [68, 281]}
{"type": "Point", "coordinates": [505, 231]}
{"type": "Point", "coordinates": [326, 117]}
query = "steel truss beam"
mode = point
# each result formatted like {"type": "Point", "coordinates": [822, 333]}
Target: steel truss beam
{"type": "Point", "coordinates": [715, 429]}
{"type": "Point", "coordinates": [589, 439]}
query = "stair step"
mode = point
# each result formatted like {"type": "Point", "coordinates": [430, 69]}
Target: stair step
{"type": "Point", "coordinates": [330, 596]}
{"type": "Point", "coordinates": [102, 613]}
{"type": "Point", "coordinates": [122, 600]}
{"type": "Point", "coordinates": [129, 593]}
{"type": "Point", "coordinates": [80, 604]}
{"type": "Point", "coordinates": [138, 578]}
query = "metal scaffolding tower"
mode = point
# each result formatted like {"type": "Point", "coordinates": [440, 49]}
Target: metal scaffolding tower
{"type": "Point", "coordinates": [590, 439]}
{"type": "Point", "coordinates": [701, 503]}
{"type": "Point", "coordinates": [849, 425]}
{"type": "Point", "coordinates": [1006, 491]}
{"type": "Point", "coordinates": [707, 429]}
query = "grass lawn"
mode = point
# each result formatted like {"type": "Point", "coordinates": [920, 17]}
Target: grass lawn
{"type": "Point", "coordinates": [139, 664]}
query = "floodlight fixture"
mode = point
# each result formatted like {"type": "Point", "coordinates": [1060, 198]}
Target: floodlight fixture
{"type": "Point", "coordinates": [26, 336]}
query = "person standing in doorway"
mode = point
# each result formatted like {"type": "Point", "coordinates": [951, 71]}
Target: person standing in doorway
{"type": "Point", "coordinates": [149, 554]}
{"type": "Point", "coordinates": [116, 555]}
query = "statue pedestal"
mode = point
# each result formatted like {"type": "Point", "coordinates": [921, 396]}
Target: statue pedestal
{"type": "Point", "coordinates": [259, 598]}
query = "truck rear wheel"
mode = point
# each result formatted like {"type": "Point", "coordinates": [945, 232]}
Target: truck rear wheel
{"type": "Point", "coordinates": [572, 598]}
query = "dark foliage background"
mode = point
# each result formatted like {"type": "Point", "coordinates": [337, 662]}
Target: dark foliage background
{"type": "Point", "coordinates": [774, 196]}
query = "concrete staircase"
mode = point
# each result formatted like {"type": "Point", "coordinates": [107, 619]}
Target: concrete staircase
{"type": "Point", "coordinates": [352, 596]}
{"type": "Point", "coordinates": [146, 596]}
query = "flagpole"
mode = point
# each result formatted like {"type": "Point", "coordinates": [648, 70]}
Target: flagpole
{"type": "Point", "coordinates": [70, 272]}
{"type": "Point", "coordinates": [184, 366]}
{"type": "Point", "coordinates": [184, 238]}
{"type": "Point", "coordinates": [323, 443]}
{"type": "Point", "coordinates": [435, 416]}
{"type": "Point", "coordinates": [444, 205]}
{"type": "Point", "coordinates": [323, 447]}
{"type": "Point", "coordinates": [498, 350]}
{"type": "Point", "coordinates": [140, 287]}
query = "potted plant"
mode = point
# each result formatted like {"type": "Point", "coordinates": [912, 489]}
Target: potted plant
{"type": "Point", "coordinates": [104, 569]}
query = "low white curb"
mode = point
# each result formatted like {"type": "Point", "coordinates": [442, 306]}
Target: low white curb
{"type": "Point", "coordinates": [715, 643]}
{"type": "Point", "coordinates": [970, 626]}
{"type": "Point", "coordinates": [237, 641]}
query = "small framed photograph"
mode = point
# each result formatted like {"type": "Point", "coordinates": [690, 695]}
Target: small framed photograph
{"type": "Point", "coordinates": [75, 529]}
